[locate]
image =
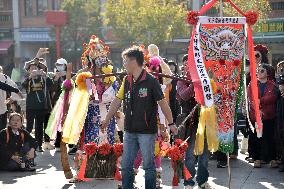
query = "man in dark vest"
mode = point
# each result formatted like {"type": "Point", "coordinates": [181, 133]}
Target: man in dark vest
{"type": "Point", "coordinates": [141, 94]}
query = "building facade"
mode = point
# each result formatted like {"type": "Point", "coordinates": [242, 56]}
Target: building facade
{"type": "Point", "coordinates": [6, 36]}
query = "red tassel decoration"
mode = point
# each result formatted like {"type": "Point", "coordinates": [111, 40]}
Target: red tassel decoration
{"type": "Point", "coordinates": [117, 175]}
{"type": "Point", "coordinates": [175, 180]}
{"type": "Point", "coordinates": [187, 174]}
{"type": "Point", "coordinates": [81, 174]}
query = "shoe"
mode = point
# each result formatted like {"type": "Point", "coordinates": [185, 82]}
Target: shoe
{"type": "Point", "coordinates": [257, 164]}
{"type": "Point", "coordinates": [28, 169]}
{"type": "Point", "coordinates": [263, 162]}
{"type": "Point", "coordinates": [281, 168]}
{"type": "Point", "coordinates": [72, 151]}
{"type": "Point", "coordinates": [204, 186]}
{"type": "Point", "coordinates": [158, 180]}
{"type": "Point", "coordinates": [234, 156]}
{"type": "Point", "coordinates": [250, 160]}
{"type": "Point", "coordinates": [39, 149]}
{"type": "Point", "coordinates": [188, 187]}
{"type": "Point", "coordinates": [274, 164]}
{"type": "Point", "coordinates": [221, 164]}
{"type": "Point", "coordinates": [48, 146]}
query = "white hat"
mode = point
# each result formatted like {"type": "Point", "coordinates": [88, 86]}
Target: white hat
{"type": "Point", "coordinates": [61, 61]}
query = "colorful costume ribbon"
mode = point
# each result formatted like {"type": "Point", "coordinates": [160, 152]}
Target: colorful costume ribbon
{"type": "Point", "coordinates": [56, 118]}
{"type": "Point", "coordinates": [77, 111]}
{"type": "Point", "coordinates": [216, 53]}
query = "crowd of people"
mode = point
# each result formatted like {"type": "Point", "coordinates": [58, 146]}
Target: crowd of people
{"type": "Point", "coordinates": [18, 143]}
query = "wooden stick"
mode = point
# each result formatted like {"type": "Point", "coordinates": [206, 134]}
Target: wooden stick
{"type": "Point", "coordinates": [154, 73]}
{"type": "Point", "coordinates": [64, 155]}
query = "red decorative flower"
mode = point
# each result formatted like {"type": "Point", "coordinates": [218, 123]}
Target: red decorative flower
{"type": "Point", "coordinates": [222, 62]}
{"type": "Point", "coordinates": [174, 153]}
{"type": "Point", "coordinates": [183, 148]}
{"type": "Point", "coordinates": [84, 44]}
{"type": "Point", "coordinates": [178, 142]}
{"type": "Point", "coordinates": [251, 17]}
{"type": "Point", "coordinates": [118, 149]}
{"type": "Point", "coordinates": [93, 37]}
{"type": "Point", "coordinates": [192, 17]}
{"type": "Point", "coordinates": [104, 149]}
{"type": "Point", "coordinates": [91, 148]}
{"type": "Point", "coordinates": [237, 62]}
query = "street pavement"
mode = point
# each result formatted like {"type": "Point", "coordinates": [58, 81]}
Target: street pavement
{"type": "Point", "coordinates": [49, 175]}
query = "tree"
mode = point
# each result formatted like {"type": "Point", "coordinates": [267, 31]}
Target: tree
{"type": "Point", "coordinates": [262, 7]}
{"type": "Point", "coordinates": [84, 20]}
{"type": "Point", "coordinates": [145, 21]}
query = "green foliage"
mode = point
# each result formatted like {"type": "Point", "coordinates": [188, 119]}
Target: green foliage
{"type": "Point", "coordinates": [262, 7]}
{"type": "Point", "coordinates": [146, 21]}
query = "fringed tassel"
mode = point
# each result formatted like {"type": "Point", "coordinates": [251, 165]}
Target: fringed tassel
{"type": "Point", "coordinates": [117, 175]}
{"type": "Point", "coordinates": [175, 180]}
{"type": "Point", "coordinates": [208, 121]}
{"type": "Point", "coordinates": [186, 173]}
{"type": "Point", "coordinates": [81, 174]}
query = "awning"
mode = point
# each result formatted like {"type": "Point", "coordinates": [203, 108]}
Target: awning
{"type": "Point", "coordinates": [4, 46]}
{"type": "Point", "coordinates": [34, 35]}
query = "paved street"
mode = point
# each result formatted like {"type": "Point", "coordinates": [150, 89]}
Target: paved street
{"type": "Point", "coordinates": [50, 176]}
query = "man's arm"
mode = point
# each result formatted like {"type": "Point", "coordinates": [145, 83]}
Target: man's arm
{"type": "Point", "coordinates": [168, 114]}
{"type": "Point", "coordinates": [113, 109]}
{"type": "Point", "coordinates": [166, 110]}
{"type": "Point", "coordinates": [8, 88]}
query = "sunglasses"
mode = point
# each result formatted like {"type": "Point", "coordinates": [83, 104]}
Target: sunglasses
{"type": "Point", "coordinates": [261, 70]}
{"type": "Point", "coordinates": [257, 55]}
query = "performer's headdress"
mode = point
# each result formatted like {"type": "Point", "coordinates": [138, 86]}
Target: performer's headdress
{"type": "Point", "coordinates": [95, 53]}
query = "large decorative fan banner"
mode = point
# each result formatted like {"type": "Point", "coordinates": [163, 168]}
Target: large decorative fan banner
{"type": "Point", "coordinates": [218, 49]}
{"type": "Point", "coordinates": [216, 55]}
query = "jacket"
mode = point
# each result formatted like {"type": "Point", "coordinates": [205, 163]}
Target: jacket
{"type": "Point", "coordinates": [11, 143]}
{"type": "Point", "coordinates": [140, 103]}
{"type": "Point", "coordinates": [267, 101]}
{"type": "Point", "coordinates": [38, 93]}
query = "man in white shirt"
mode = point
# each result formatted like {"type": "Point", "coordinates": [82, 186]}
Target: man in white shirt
{"type": "Point", "coordinates": [3, 96]}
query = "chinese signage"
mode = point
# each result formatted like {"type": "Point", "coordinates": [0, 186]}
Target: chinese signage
{"type": "Point", "coordinates": [272, 26]}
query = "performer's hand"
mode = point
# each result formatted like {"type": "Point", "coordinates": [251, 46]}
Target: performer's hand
{"type": "Point", "coordinates": [41, 52]}
{"type": "Point", "coordinates": [174, 129]}
{"type": "Point", "coordinates": [31, 154]}
{"type": "Point", "coordinates": [17, 159]}
{"type": "Point", "coordinates": [165, 135]}
{"type": "Point", "coordinates": [103, 126]}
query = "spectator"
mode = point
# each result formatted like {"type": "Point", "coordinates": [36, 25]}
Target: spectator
{"type": "Point", "coordinates": [10, 87]}
{"type": "Point", "coordinates": [264, 147]}
{"type": "Point", "coordinates": [185, 95]}
{"type": "Point", "coordinates": [173, 101]}
{"type": "Point", "coordinates": [38, 104]}
{"type": "Point", "coordinates": [280, 116]}
{"type": "Point", "coordinates": [59, 77]}
{"type": "Point", "coordinates": [261, 52]}
{"type": "Point", "coordinates": [17, 146]}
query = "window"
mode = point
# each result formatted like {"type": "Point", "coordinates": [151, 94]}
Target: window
{"type": "Point", "coordinates": [56, 4]}
{"type": "Point", "coordinates": [41, 7]}
{"type": "Point", "coordinates": [28, 8]}
{"type": "Point", "coordinates": [277, 6]}
{"type": "Point", "coordinates": [5, 18]}
{"type": "Point", "coordinates": [1, 4]}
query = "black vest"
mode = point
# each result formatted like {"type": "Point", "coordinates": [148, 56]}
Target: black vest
{"type": "Point", "coordinates": [140, 106]}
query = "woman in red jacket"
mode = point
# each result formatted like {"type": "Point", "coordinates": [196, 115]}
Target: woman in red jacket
{"type": "Point", "coordinates": [264, 151]}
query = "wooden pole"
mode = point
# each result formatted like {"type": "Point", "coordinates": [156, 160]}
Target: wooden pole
{"type": "Point", "coordinates": [154, 73]}
{"type": "Point", "coordinates": [64, 155]}
{"type": "Point", "coordinates": [221, 8]}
